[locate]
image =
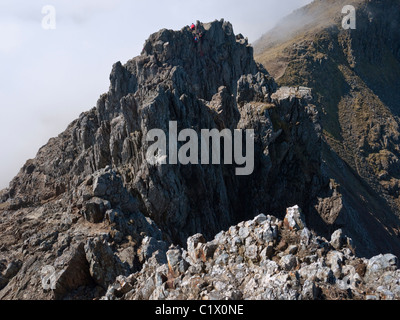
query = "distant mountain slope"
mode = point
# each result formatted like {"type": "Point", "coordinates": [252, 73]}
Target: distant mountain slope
{"type": "Point", "coordinates": [355, 77]}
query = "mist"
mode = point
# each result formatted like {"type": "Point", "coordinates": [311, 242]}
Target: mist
{"type": "Point", "coordinates": [316, 15]}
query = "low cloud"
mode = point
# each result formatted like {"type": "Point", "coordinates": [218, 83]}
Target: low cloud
{"type": "Point", "coordinates": [10, 37]}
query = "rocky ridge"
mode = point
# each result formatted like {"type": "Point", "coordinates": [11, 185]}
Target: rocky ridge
{"type": "Point", "coordinates": [90, 209]}
{"type": "Point", "coordinates": [261, 259]}
{"type": "Point", "coordinates": [215, 84]}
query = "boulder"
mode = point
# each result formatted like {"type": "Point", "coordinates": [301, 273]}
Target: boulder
{"type": "Point", "coordinates": [338, 239]}
{"type": "Point", "coordinates": [294, 218]}
{"type": "Point", "coordinates": [176, 264]}
{"type": "Point", "coordinates": [288, 262]}
{"type": "Point", "coordinates": [104, 266]}
{"type": "Point", "coordinates": [193, 246]}
{"type": "Point", "coordinates": [378, 265]}
{"type": "Point", "coordinates": [95, 210]}
{"type": "Point", "coordinates": [73, 271]}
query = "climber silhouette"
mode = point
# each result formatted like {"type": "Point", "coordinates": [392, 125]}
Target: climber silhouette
{"type": "Point", "coordinates": [197, 37]}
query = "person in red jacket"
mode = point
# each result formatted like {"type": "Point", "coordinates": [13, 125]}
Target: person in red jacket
{"type": "Point", "coordinates": [192, 27]}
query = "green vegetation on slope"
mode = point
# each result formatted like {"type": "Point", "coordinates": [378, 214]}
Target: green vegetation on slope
{"type": "Point", "coordinates": [355, 78]}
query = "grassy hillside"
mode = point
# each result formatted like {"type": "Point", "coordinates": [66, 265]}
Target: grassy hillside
{"type": "Point", "coordinates": [355, 77]}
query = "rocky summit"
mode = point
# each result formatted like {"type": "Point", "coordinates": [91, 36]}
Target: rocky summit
{"type": "Point", "coordinates": [91, 218]}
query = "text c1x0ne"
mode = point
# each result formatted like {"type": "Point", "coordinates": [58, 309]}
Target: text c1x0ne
{"type": "Point", "coordinates": [203, 310]}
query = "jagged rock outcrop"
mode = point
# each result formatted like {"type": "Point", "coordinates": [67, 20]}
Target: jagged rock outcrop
{"type": "Point", "coordinates": [91, 204]}
{"type": "Point", "coordinates": [263, 259]}
{"type": "Point", "coordinates": [211, 84]}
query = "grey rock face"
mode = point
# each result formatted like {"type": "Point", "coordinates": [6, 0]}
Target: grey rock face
{"type": "Point", "coordinates": [95, 209]}
{"type": "Point", "coordinates": [150, 246]}
{"type": "Point", "coordinates": [90, 204]}
{"type": "Point", "coordinates": [215, 84]}
{"type": "Point", "coordinates": [104, 266]}
{"type": "Point", "coordinates": [74, 272]}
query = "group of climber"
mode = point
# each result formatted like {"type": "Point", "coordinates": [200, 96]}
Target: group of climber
{"type": "Point", "coordinates": [197, 35]}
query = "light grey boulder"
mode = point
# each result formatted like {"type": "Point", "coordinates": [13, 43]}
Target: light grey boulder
{"type": "Point", "coordinates": [338, 239]}
{"type": "Point", "coordinates": [288, 262]}
{"type": "Point", "coordinates": [378, 265]}
{"type": "Point", "coordinates": [294, 218]}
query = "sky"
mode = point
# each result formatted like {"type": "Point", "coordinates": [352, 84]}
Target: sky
{"type": "Point", "coordinates": [48, 77]}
